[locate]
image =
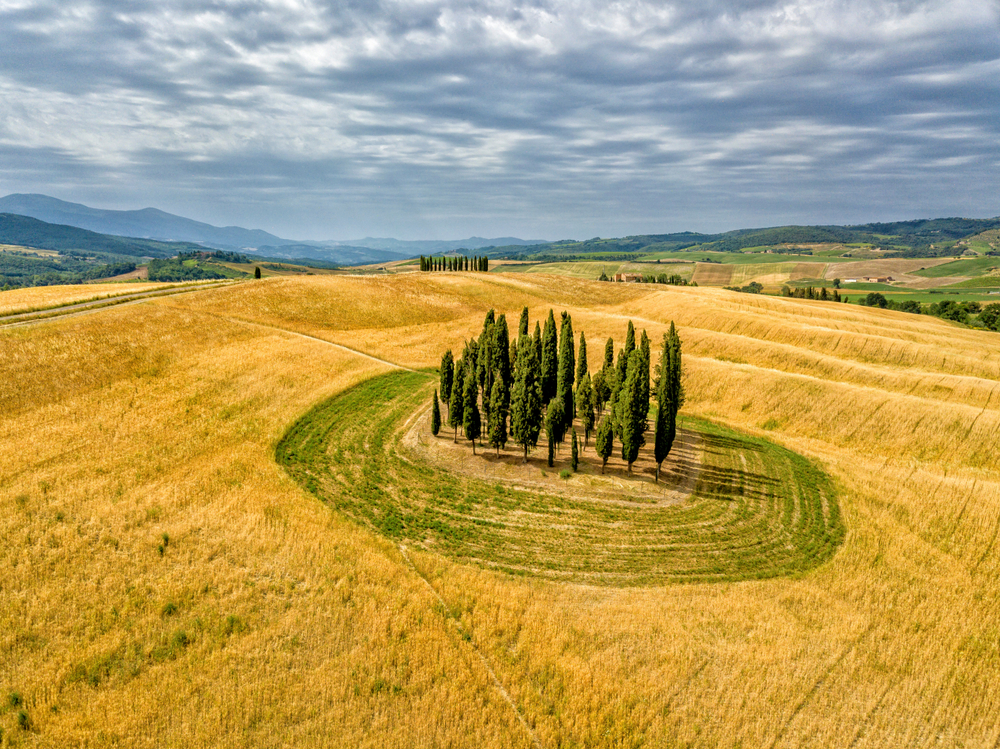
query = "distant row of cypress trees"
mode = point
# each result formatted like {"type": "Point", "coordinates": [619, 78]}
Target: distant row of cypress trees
{"type": "Point", "coordinates": [538, 381]}
{"type": "Point", "coordinates": [460, 262]}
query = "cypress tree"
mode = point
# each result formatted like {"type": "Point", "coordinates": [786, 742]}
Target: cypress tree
{"type": "Point", "coordinates": [498, 415]}
{"type": "Point", "coordinates": [663, 440]}
{"type": "Point", "coordinates": [644, 381]}
{"type": "Point", "coordinates": [597, 391]}
{"type": "Point", "coordinates": [629, 339]}
{"type": "Point", "coordinates": [525, 399]}
{"type": "Point", "coordinates": [456, 406]}
{"type": "Point", "coordinates": [471, 356]}
{"type": "Point", "coordinates": [538, 344]}
{"type": "Point", "coordinates": [630, 410]}
{"type": "Point", "coordinates": [555, 422]}
{"type": "Point", "coordinates": [581, 362]}
{"type": "Point", "coordinates": [585, 406]}
{"type": "Point", "coordinates": [575, 455]}
{"type": "Point", "coordinates": [676, 394]}
{"type": "Point", "coordinates": [484, 359]}
{"type": "Point", "coordinates": [447, 374]}
{"type": "Point", "coordinates": [486, 264]}
{"type": "Point", "coordinates": [256, 272]}
{"type": "Point", "coordinates": [550, 359]}
{"type": "Point", "coordinates": [522, 326]}
{"type": "Point", "coordinates": [472, 423]}
{"type": "Point", "coordinates": [613, 414]}
{"type": "Point", "coordinates": [609, 353]}
{"type": "Point", "coordinates": [567, 364]}
{"type": "Point", "coordinates": [435, 416]}
{"type": "Point", "coordinates": [500, 356]}
{"type": "Point", "coordinates": [604, 443]}
{"type": "Point", "coordinates": [621, 372]}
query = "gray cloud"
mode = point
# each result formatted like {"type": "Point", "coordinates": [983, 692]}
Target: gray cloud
{"type": "Point", "coordinates": [549, 118]}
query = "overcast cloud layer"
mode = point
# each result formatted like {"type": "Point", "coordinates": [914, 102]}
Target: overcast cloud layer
{"type": "Point", "coordinates": [546, 119]}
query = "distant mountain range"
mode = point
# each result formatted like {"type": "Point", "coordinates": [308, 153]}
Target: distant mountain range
{"type": "Point", "coordinates": [437, 246]}
{"type": "Point", "coordinates": [154, 224]}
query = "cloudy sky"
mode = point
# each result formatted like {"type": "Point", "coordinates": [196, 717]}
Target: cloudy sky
{"type": "Point", "coordinates": [333, 119]}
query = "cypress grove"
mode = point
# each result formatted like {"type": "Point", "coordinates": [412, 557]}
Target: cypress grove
{"type": "Point", "coordinates": [509, 376]}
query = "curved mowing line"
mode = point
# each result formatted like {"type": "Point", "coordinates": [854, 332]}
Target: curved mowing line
{"type": "Point", "coordinates": [757, 511]}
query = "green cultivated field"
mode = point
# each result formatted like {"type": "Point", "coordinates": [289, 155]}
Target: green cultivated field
{"type": "Point", "coordinates": [977, 266]}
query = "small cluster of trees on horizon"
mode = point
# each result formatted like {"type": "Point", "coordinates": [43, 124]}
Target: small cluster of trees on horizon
{"type": "Point", "coordinates": [538, 381]}
{"type": "Point", "coordinates": [810, 293]}
{"type": "Point", "coordinates": [660, 278]}
{"type": "Point", "coordinates": [458, 263]}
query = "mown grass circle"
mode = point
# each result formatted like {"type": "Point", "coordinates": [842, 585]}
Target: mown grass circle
{"type": "Point", "coordinates": [757, 509]}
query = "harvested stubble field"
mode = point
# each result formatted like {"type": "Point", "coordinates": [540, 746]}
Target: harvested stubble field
{"type": "Point", "coordinates": [43, 297]}
{"type": "Point", "coordinates": [167, 583]}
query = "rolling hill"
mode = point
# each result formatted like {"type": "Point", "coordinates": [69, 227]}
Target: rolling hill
{"type": "Point", "coordinates": [169, 583]}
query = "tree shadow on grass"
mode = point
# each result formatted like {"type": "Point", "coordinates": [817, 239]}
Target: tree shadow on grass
{"type": "Point", "coordinates": [730, 483]}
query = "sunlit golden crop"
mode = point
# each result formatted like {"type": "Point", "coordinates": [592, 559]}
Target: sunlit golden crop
{"type": "Point", "coordinates": [163, 582]}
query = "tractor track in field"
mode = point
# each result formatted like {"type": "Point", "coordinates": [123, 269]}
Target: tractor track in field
{"type": "Point", "coordinates": [340, 346]}
{"type": "Point", "coordinates": [20, 319]}
{"type": "Point", "coordinates": [498, 685]}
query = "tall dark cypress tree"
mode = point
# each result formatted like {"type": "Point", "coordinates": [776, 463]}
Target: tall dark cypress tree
{"type": "Point", "coordinates": [500, 356]}
{"type": "Point", "coordinates": [471, 356]}
{"type": "Point", "coordinates": [567, 365]}
{"type": "Point", "coordinates": [609, 379]}
{"type": "Point", "coordinates": [553, 422]}
{"type": "Point", "coordinates": [550, 359]}
{"type": "Point", "coordinates": [632, 426]}
{"type": "Point", "coordinates": [630, 339]}
{"type": "Point", "coordinates": [621, 371]}
{"type": "Point", "coordinates": [472, 424]}
{"type": "Point", "coordinates": [663, 440]}
{"type": "Point", "coordinates": [498, 419]}
{"type": "Point", "coordinates": [575, 455]}
{"type": "Point", "coordinates": [525, 398]}
{"type": "Point", "coordinates": [585, 406]}
{"type": "Point", "coordinates": [676, 388]}
{"type": "Point", "coordinates": [581, 359]}
{"type": "Point", "coordinates": [597, 391]}
{"type": "Point", "coordinates": [522, 326]}
{"type": "Point", "coordinates": [644, 381]}
{"type": "Point", "coordinates": [447, 374]}
{"type": "Point", "coordinates": [435, 416]}
{"type": "Point", "coordinates": [456, 406]}
{"type": "Point", "coordinates": [605, 441]}
{"type": "Point", "coordinates": [537, 338]}
{"type": "Point", "coordinates": [484, 360]}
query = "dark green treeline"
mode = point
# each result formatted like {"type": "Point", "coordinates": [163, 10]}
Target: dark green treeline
{"type": "Point", "coordinates": [479, 263]}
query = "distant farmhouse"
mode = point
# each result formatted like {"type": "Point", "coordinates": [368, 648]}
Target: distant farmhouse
{"type": "Point", "coordinates": [878, 279]}
{"type": "Point", "coordinates": [627, 277]}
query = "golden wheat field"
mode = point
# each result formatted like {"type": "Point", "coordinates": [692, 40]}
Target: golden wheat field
{"type": "Point", "coordinates": [43, 297]}
{"type": "Point", "coordinates": [165, 583]}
